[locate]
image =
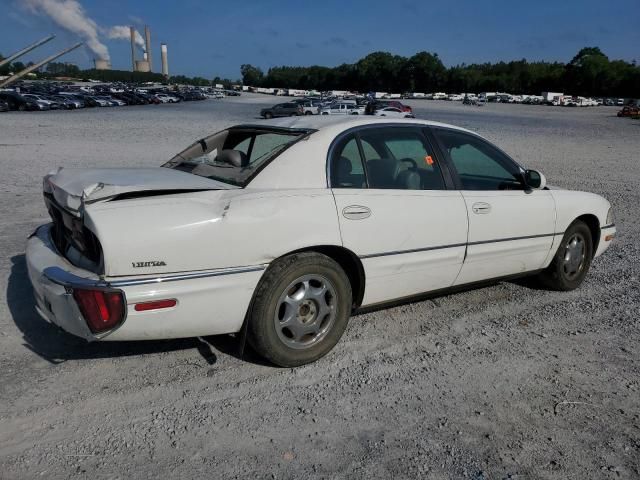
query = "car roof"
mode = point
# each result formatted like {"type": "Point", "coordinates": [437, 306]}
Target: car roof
{"type": "Point", "coordinates": [335, 124]}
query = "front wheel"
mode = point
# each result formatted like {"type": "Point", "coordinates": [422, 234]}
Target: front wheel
{"type": "Point", "coordinates": [300, 309]}
{"type": "Point", "coordinates": [572, 260]}
{"type": "Point", "coordinates": [268, 115]}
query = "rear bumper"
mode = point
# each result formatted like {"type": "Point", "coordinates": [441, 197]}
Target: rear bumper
{"type": "Point", "coordinates": [53, 279]}
{"type": "Point", "coordinates": [209, 302]}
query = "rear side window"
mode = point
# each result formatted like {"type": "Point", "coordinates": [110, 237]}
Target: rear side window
{"type": "Point", "coordinates": [347, 170]}
{"type": "Point", "coordinates": [400, 158]}
{"type": "Point", "coordinates": [236, 155]}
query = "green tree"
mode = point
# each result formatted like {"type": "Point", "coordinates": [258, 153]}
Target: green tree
{"type": "Point", "coordinates": [251, 75]}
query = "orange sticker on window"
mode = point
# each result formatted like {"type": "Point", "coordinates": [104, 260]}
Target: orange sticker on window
{"type": "Point", "coordinates": [429, 160]}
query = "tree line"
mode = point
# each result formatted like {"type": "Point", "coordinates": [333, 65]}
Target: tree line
{"type": "Point", "coordinates": [589, 73]}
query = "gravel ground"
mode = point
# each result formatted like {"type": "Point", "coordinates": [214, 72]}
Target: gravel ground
{"type": "Point", "coordinates": [503, 382]}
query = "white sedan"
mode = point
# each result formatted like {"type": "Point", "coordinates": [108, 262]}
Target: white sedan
{"type": "Point", "coordinates": [393, 112]}
{"type": "Point", "coordinates": [281, 230]}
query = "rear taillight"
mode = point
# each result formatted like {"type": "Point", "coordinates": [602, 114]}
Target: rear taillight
{"type": "Point", "coordinates": [102, 309]}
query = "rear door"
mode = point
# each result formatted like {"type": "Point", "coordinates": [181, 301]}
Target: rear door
{"type": "Point", "coordinates": [396, 211]}
{"type": "Point", "coordinates": [511, 228]}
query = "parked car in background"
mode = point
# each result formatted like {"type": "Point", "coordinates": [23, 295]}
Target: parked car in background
{"type": "Point", "coordinates": [629, 111]}
{"type": "Point", "coordinates": [18, 102]}
{"type": "Point", "coordinates": [341, 108]}
{"type": "Point", "coordinates": [310, 107]}
{"type": "Point", "coordinates": [65, 102]}
{"type": "Point", "coordinates": [166, 98]}
{"type": "Point", "coordinates": [75, 98]}
{"type": "Point", "coordinates": [392, 112]}
{"type": "Point", "coordinates": [50, 102]}
{"type": "Point", "coordinates": [393, 103]}
{"type": "Point", "coordinates": [289, 109]}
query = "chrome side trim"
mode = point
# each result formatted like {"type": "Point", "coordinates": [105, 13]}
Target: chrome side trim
{"type": "Point", "coordinates": [185, 276]}
{"type": "Point", "coordinates": [453, 245]}
{"type": "Point", "coordinates": [61, 277]}
{"type": "Point", "coordinates": [482, 242]}
{"type": "Point", "coordinates": [413, 250]}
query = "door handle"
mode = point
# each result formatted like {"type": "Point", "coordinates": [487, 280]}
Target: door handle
{"type": "Point", "coordinates": [356, 212]}
{"type": "Point", "coordinates": [481, 208]}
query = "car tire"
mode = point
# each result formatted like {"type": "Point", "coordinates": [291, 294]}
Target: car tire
{"type": "Point", "coordinates": [290, 321]}
{"type": "Point", "coordinates": [268, 115]}
{"type": "Point", "coordinates": [22, 108]}
{"type": "Point", "coordinates": [572, 260]}
{"type": "Point", "coordinates": [308, 113]}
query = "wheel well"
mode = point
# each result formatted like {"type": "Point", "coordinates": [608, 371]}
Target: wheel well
{"type": "Point", "coordinates": [594, 226]}
{"type": "Point", "coordinates": [349, 262]}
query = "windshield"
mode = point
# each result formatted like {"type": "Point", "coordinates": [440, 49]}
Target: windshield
{"type": "Point", "coordinates": [236, 155]}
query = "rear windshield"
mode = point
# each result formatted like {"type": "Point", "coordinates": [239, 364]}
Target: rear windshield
{"type": "Point", "coordinates": [236, 155]}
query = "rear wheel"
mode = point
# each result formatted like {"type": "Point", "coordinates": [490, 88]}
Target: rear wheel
{"type": "Point", "coordinates": [572, 260]}
{"type": "Point", "coordinates": [300, 309]}
{"type": "Point", "coordinates": [308, 112]}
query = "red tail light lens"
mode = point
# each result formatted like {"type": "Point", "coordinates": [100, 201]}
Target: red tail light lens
{"type": "Point", "coordinates": [102, 310]}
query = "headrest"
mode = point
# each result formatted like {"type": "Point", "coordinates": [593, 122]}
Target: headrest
{"type": "Point", "coordinates": [383, 172]}
{"type": "Point", "coordinates": [409, 180]}
{"type": "Point", "coordinates": [233, 157]}
{"type": "Point", "coordinates": [344, 166]}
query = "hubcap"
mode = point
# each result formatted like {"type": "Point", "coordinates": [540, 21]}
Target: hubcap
{"type": "Point", "coordinates": [574, 256]}
{"type": "Point", "coordinates": [306, 311]}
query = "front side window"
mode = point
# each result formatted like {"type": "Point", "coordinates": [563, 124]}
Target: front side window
{"type": "Point", "coordinates": [479, 165]}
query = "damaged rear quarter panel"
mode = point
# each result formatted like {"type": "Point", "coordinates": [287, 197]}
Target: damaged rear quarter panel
{"type": "Point", "coordinates": [207, 230]}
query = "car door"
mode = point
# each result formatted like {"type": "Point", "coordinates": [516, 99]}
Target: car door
{"type": "Point", "coordinates": [278, 111]}
{"type": "Point", "coordinates": [511, 227]}
{"type": "Point", "coordinates": [396, 210]}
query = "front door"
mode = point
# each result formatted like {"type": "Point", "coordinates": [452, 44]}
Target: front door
{"type": "Point", "coordinates": [396, 212]}
{"type": "Point", "coordinates": [511, 228]}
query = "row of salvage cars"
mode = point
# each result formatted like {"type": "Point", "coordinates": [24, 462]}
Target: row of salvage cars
{"type": "Point", "coordinates": [282, 230]}
{"type": "Point", "coordinates": [311, 106]}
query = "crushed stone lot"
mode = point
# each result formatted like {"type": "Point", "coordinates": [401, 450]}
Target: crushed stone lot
{"type": "Point", "coordinates": [507, 381]}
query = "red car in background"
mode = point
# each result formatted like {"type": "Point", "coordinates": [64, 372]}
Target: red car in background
{"type": "Point", "coordinates": [629, 111]}
{"type": "Point", "coordinates": [395, 104]}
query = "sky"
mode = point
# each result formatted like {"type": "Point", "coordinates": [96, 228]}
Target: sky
{"type": "Point", "coordinates": [213, 38]}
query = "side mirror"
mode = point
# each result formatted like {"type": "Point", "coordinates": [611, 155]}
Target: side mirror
{"type": "Point", "coordinates": [535, 179]}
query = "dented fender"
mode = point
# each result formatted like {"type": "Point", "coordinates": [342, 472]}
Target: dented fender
{"type": "Point", "coordinates": [211, 229]}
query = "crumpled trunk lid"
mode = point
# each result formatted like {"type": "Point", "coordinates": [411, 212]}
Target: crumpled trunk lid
{"type": "Point", "coordinates": [74, 187]}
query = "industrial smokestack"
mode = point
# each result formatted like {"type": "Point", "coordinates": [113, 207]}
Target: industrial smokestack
{"type": "Point", "coordinates": [165, 62]}
{"type": "Point", "coordinates": [147, 38]}
{"type": "Point", "coordinates": [101, 64]}
{"type": "Point", "coordinates": [132, 31]}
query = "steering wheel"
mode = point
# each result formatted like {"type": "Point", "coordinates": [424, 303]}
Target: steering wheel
{"type": "Point", "coordinates": [411, 161]}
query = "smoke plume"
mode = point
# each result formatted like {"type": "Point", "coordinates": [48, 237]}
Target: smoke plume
{"type": "Point", "coordinates": [70, 15]}
{"type": "Point", "coordinates": [121, 32]}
